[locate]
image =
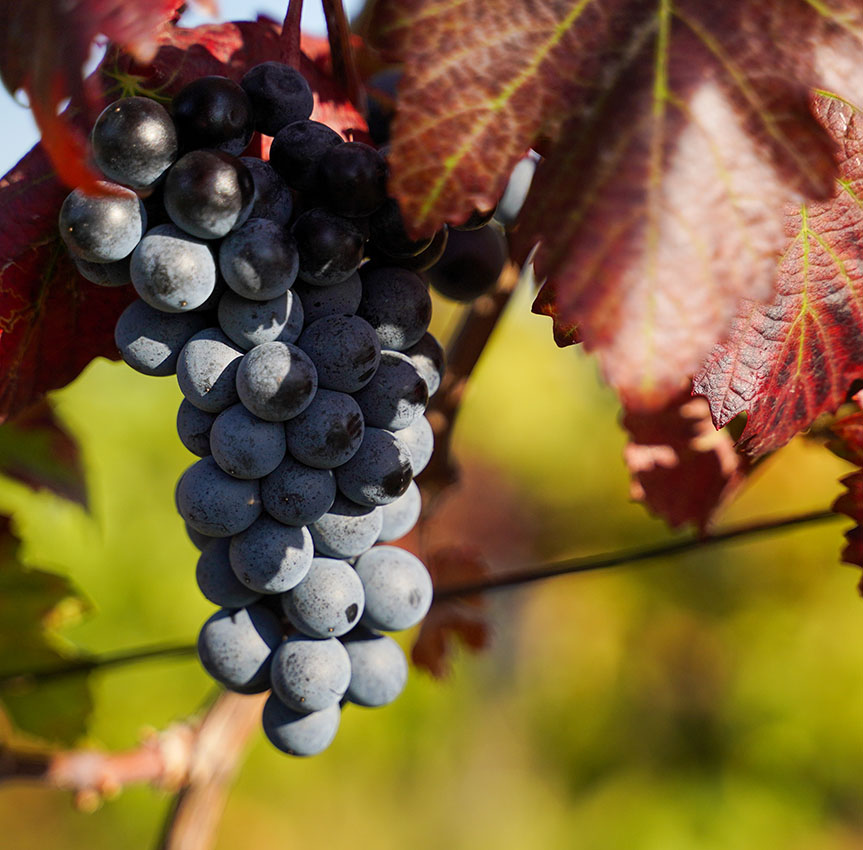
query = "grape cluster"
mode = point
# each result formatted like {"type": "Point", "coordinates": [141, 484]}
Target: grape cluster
{"type": "Point", "coordinates": [305, 364]}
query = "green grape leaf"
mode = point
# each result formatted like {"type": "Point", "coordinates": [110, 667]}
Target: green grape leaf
{"type": "Point", "coordinates": [33, 605]}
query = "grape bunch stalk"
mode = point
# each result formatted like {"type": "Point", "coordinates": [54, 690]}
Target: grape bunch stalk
{"type": "Point", "coordinates": [286, 297]}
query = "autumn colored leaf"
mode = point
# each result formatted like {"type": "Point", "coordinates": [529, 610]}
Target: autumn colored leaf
{"type": "Point", "coordinates": [673, 133]}
{"type": "Point", "coordinates": [682, 468]}
{"type": "Point", "coordinates": [794, 356]}
{"type": "Point", "coordinates": [52, 321]}
{"type": "Point", "coordinates": [37, 450]}
{"type": "Point", "coordinates": [452, 621]}
{"type": "Point", "coordinates": [33, 604]}
{"type": "Point", "coordinates": [847, 442]}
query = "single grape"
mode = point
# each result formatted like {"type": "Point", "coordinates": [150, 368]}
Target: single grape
{"type": "Point", "coordinates": [328, 602]}
{"type": "Point", "coordinates": [200, 541]}
{"type": "Point", "coordinates": [400, 516]}
{"type": "Point", "coordinates": [297, 149]}
{"type": "Point", "coordinates": [346, 529]}
{"type": "Point", "coordinates": [429, 357]}
{"type": "Point", "coordinates": [330, 246]}
{"type": "Point", "coordinates": [276, 381]}
{"type": "Point", "coordinates": [245, 446]}
{"type": "Point", "coordinates": [471, 263]}
{"type": "Point", "coordinates": [207, 371]}
{"type": "Point", "coordinates": [150, 341]}
{"type": "Point", "coordinates": [173, 271]}
{"type": "Point", "coordinates": [193, 427]}
{"type": "Point", "coordinates": [398, 588]}
{"type": "Point", "coordinates": [388, 234]}
{"type": "Point", "coordinates": [273, 198]}
{"type": "Point", "coordinates": [102, 228]}
{"type": "Point", "coordinates": [337, 299]}
{"type": "Point", "coordinates": [396, 303]}
{"type": "Point", "coordinates": [118, 273]}
{"type": "Point", "coordinates": [379, 669]}
{"type": "Point", "coordinates": [345, 350]}
{"type": "Point", "coordinates": [216, 579]}
{"type": "Point", "coordinates": [396, 396]}
{"type": "Point", "coordinates": [214, 503]}
{"type": "Point", "coordinates": [422, 261]}
{"type": "Point", "coordinates": [419, 438]}
{"type": "Point", "coordinates": [328, 432]}
{"type": "Point", "coordinates": [299, 734]}
{"type": "Point", "coordinates": [213, 112]}
{"type": "Point", "coordinates": [259, 260]}
{"type": "Point", "coordinates": [250, 323]}
{"type": "Point", "coordinates": [354, 178]}
{"type": "Point", "coordinates": [296, 494]}
{"type": "Point", "coordinates": [308, 674]}
{"type": "Point", "coordinates": [279, 95]}
{"type": "Point", "coordinates": [236, 647]}
{"type": "Point", "coordinates": [134, 141]}
{"type": "Point", "coordinates": [269, 557]}
{"type": "Point", "coordinates": [379, 472]}
{"type": "Point", "coordinates": [209, 193]}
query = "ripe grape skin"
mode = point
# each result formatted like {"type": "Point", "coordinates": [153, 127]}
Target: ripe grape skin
{"type": "Point", "coordinates": [199, 541]}
{"type": "Point", "coordinates": [296, 494]}
{"type": "Point", "coordinates": [279, 95]}
{"type": "Point", "coordinates": [209, 193]}
{"type": "Point", "coordinates": [250, 323]}
{"type": "Point", "coordinates": [379, 472]}
{"type": "Point", "coordinates": [173, 271]}
{"type": "Point", "coordinates": [207, 371]}
{"type": "Point", "coordinates": [330, 247]}
{"type": "Point", "coordinates": [345, 350]}
{"type": "Point", "coordinates": [236, 646]}
{"type": "Point", "coordinates": [328, 602]}
{"type": "Point", "coordinates": [216, 579]}
{"type": "Point", "coordinates": [150, 340]}
{"type": "Point", "coordinates": [213, 112]}
{"type": "Point", "coordinates": [419, 438]}
{"type": "Point", "coordinates": [429, 357]}
{"type": "Point", "coordinates": [193, 428]}
{"type": "Point", "coordinates": [134, 141]}
{"type": "Point", "coordinates": [245, 446]}
{"type": "Point", "coordinates": [117, 273]}
{"type": "Point", "coordinates": [308, 674]}
{"type": "Point", "coordinates": [214, 503]}
{"type": "Point", "coordinates": [396, 303]}
{"type": "Point", "coordinates": [297, 149]}
{"type": "Point", "coordinates": [102, 228]}
{"type": "Point", "coordinates": [346, 529]}
{"type": "Point", "coordinates": [299, 734]}
{"type": "Point", "coordinates": [400, 516]}
{"type": "Point", "coordinates": [388, 234]}
{"type": "Point", "coordinates": [276, 381]}
{"type": "Point", "coordinates": [422, 261]}
{"type": "Point", "coordinates": [396, 396]}
{"type": "Point", "coordinates": [259, 260]}
{"type": "Point", "coordinates": [471, 264]}
{"type": "Point", "coordinates": [273, 198]}
{"type": "Point", "coordinates": [339, 298]}
{"type": "Point", "coordinates": [379, 669]}
{"type": "Point", "coordinates": [353, 177]}
{"type": "Point", "coordinates": [398, 588]}
{"type": "Point", "coordinates": [328, 432]}
{"type": "Point", "coordinates": [269, 557]}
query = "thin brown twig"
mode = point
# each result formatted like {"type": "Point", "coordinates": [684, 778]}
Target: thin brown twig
{"type": "Point", "coordinates": [290, 41]}
{"type": "Point", "coordinates": [345, 71]}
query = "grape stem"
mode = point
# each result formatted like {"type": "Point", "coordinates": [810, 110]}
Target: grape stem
{"type": "Point", "coordinates": [345, 71]}
{"type": "Point", "coordinates": [291, 34]}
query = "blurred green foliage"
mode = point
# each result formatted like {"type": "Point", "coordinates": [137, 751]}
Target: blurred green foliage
{"type": "Point", "coordinates": [711, 701]}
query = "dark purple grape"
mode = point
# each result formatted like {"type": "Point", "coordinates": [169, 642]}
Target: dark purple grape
{"type": "Point", "coordinates": [117, 273]}
{"type": "Point", "coordinates": [471, 263]}
{"type": "Point", "coordinates": [298, 148]}
{"type": "Point", "coordinates": [273, 197]}
{"type": "Point", "coordinates": [102, 228]}
{"type": "Point", "coordinates": [388, 234]}
{"type": "Point", "coordinates": [330, 247]}
{"type": "Point", "coordinates": [353, 177]}
{"type": "Point", "coordinates": [259, 260]}
{"type": "Point", "coordinates": [279, 95]}
{"type": "Point", "coordinates": [396, 303]}
{"type": "Point", "coordinates": [213, 112]}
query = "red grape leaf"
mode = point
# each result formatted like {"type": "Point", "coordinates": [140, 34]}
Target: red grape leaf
{"type": "Point", "coordinates": [662, 118]}
{"type": "Point", "coordinates": [794, 356]}
{"type": "Point", "coordinates": [52, 321]}
{"type": "Point", "coordinates": [37, 450]}
{"type": "Point", "coordinates": [452, 620]}
{"type": "Point", "coordinates": [43, 47]}
{"type": "Point", "coordinates": [848, 444]}
{"type": "Point", "coordinates": [34, 603]}
{"type": "Point", "coordinates": [682, 469]}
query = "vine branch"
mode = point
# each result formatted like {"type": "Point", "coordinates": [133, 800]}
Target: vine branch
{"type": "Point", "coordinates": [345, 69]}
{"type": "Point", "coordinates": [290, 41]}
